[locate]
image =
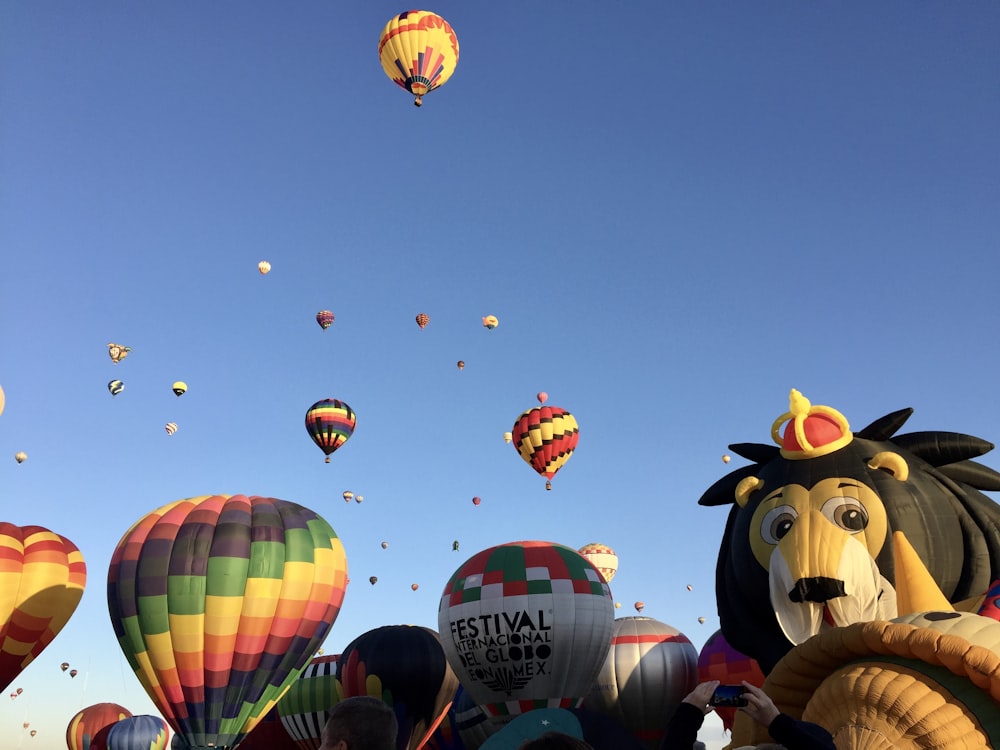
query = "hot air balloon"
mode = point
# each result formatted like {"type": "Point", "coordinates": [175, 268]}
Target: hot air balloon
{"type": "Point", "coordinates": [116, 387]}
{"type": "Point", "coordinates": [85, 725]}
{"type": "Point", "coordinates": [269, 734]}
{"type": "Point", "coordinates": [490, 322]}
{"type": "Point", "coordinates": [454, 546]}
{"type": "Point", "coordinates": [385, 545]}
{"type": "Point", "coordinates": [20, 690]}
{"type": "Point", "coordinates": [373, 580]}
{"type": "Point", "coordinates": [405, 666]}
{"type": "Point", "coordinates": [507, 437]}
{"type": "Point", "coordinates": [542, 397]}
{"type": "Point", "coordinates": [33, 732]}
{"type": "Point", "coordinates": [423, 319]}
{"type": "Point", "coordinates": [419, 51]}
{"type": "Point", "coordinates": [476, 500]}
{"type": "Point", "coordinates": [639, 606]}
{"type": "Point", "coordinates": [618, 605]}
{"type": "Point", "coordinates": [170, 427]}
{"type": "Point", "coordinates": [74, 672]}
{"type": "Point", "coordinates": [526, 624]}
{"type": "Point", "coordinates": [348, 496]}
{"type": "Point", "coordinates": [690, 587]}
{"type": "Point", "coordinates": [546, 437]}
{"type": "Point", "coordinates": [144, 731]}
{"type": "Point", "coordinates": [602, 557]}
{"type": "Point", "coordinates": [461, 365]}
{"type": "Point", "coordinates": [324, 318]}
{"type": "Point", "coordinates": [414, 586]}
{"type": "Point", "coordinates": [20, 457]}
{"type": "Point", "coordinates": [302, 710]}
{"type": "Point", "coordinates": [263, 267]}
{"type": "Point", "coordinates": [26, 724]}
{"type": "Point", "coordinates": [726, 459]}
{"type": "Point", "coordinates": [330, 424]}
{"type": "Point", "coordinates": [3, 400]}
{"type": "Point", "coordinates": [179, 388]}
{"type": "Point", "coordinates": [717, 660]}
{"type": "Point", "coordinates": [64, 666]}
{"type": "Point", "coordinates": [13, 696]}
{"type": "Point", "coordinates": [359, 498]}
{"type": "Point", "coordinates": [701, 620]}
{"type": "Point", "coordinates": [41, 582]}
{"type": "Point", "coordinates": [218, 602]}
{"type": "Point", "coordinates": [117, 352]}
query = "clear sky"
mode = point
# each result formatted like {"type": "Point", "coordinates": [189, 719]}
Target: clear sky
{"type": "Point", "coordinates": [677, 211]}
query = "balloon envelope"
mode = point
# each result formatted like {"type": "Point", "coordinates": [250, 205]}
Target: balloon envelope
{"type": "Point", "coordinates": [526, 625]}
{"type": "Point", "coordinates": [602, 557]}
{"type": "Point", "coordinates": [324, 318]}
{"type": "Point", "coordinates": [423, 319]}
{"type": "Point", "coordinates": [179, 388]}
{"type": "Point", "coordinates": [263, 267]}
{"type": "Point", "coordinates": [330, 424]}
{"type": "Point", "coordinates": [42, 578]}
{"type": "Point", "coordinates": [143, 732]}
{"type": "Point", "coordinates": [115, 387]}
{"type": "Point", "coordinates": [85, 725]}
{"type": "Point", "coordinates": [650, 669]}
{"type": "Point", "coordinates": [405, 666]}
{"type": "Point", "coordinates": [717, 660]}
{"type": "Point", "coordinates": [546, 437]}
{"type": "Point", "coordinates": [303, 709]}
{"type": "Point", "coordinates": [218, 602]}
{"type": "Point", "coordinates": [418, 51]}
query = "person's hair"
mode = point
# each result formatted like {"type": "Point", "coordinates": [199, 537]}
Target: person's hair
{"type": "Point", "coordinates": [363, 722]}
{"type": "Point", "coordinates": [555, 741]}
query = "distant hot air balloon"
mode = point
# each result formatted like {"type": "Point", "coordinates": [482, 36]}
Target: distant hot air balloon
{"type": "Point", "coordinates": [461, 365]}
{"type": "Point", "coordinates": [373, 580]}
{"type": "Point", "coordinates": [324, 318]}
{"type": "Point", "coordinates": [546, 437]}
{"type": "Point", "coordinates": [26, 724]}
{"type": "Point", "coordinates": [263, 267]}
{"type": "Point", "coordinates": [33, 732]}
{"type": "Point", "coordinates": [330, 424]}
{"type": "Point", "coordinates": [302, 710]}
{"type": "Point", "coordinates": [117, 352]}
{"type": "Point", "coordinates": [170, 427]}
{"type": "Point", "coordinates": [85, 725]}
{"type": "Point", "coordinates": [639, 606]}
{"type": "Point", "coordinates": [64, 666]}
{"type": "Point", "coordinates": [454, 546]}
{"type": "Point", "coordinates": [20, 690]}
{"type": "Point", "coordinates": [132, 733]}
{"type": "Point", "coordinates": [414, 586]}
{"type": "Point", "coordinates": [179, 388]}
{"type": "Point", "coordinates": [41, 582]}
{"type": "Point", "coordinates": [602, 557]}
{"type": "Point", "coordinates": [542, 397]}
{"type": "Point", "coordinates": [491, 322]}
{"type": "Point", "coordinates": [507, 437]}
{"type": "Point", "coordinates": [3, 400]}
{"type": "Point", "coordinates": [701, 620]}
{"type": "Point", "coordinates": [476, 500]}
{"type": "Point", "coordinates": [13, 696]}
{"type": "Point", "coordinates": [116, 387]}
{"type": "Point", "coordinates": [650, 669]}
{"type": "Point", "coordinates": [419, 51]}
{"type": "Point", "coordinates": [348, 496]}
{"type": "Point", "coordinates": [385, 545]}
{"type": "Point", "coordinates": [548, 603]}
{"type": "Point", "coordinates": [235, 594]}
{"type": "Point", "coordinates": [405, 666]}
{"type": "Point", "coordinates": [618, 605]}
{"type": "Point", "coordinates": [20, 457]}
{"type": "Point", "coordinates": [74, 672]}
{"type": "Point", "coordinates": [690, 587]}
{"type": "Point", "coordinates": [717, 660]}
{"type": "Point", "coordinates": [423, 319]}
{"type": "Point", "coordinates": [359, 498]}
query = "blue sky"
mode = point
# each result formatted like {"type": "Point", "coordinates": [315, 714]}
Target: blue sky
{"type": "Point", "coordinates": [677, 211]}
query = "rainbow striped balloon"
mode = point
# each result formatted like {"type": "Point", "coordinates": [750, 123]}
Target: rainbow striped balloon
{"type": "Point", "coordinates": [330, 424]}
{"type": "Point", "coordinates": [218, 602]}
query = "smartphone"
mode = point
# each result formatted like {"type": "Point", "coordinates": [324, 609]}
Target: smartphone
{"type": "Point", "coordinates": [728, 696]}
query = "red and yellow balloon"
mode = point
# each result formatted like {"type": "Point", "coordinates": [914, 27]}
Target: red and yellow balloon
{"type": "Point", "coordinates": [418, 51]}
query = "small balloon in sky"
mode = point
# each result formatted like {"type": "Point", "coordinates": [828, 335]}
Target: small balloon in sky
{"type": "Point", "coordinates": [542, 397]}
{"type": "Point", "coordinates": [264, 267]}
{"type": "Point", "coordinates": [20, 457]}
{"type": "Point", "coordinates": [373, 580]}
{"type": "Point", "coordinates": [348, 496]}
{"type": "Point", "coordinates": [385, 545]}
{"type": "Point", "coordinates": [423, 319]}
{"type": "Point", "coordinates": [170, 427]}
{"type": "Point", "coordinates": [414, 586]}
{"type": "Point", "coordinates": [454, 546]}
{"type": "Point", "coordinates": [690, 587]}
{"type": "Point", "coordinates": [115, 387]}
{"type": "Point", "coordinates": [359, 498]}
{"type": "Point", "coordinates": [117, 352]}
{"type": "Point", "coordinates": [508, 436]}
{"type": "Point", "coordinates": [179, 388]}
{"type": "Point", "coordinates": [461, 364]}
{"type": "Point", "coordinates": [324, 318]}
{"type": "Point", "coordinates": [476, 500]}
{"type": "Point", "coordinates": [726, 459]}
{"type": "Point", "coordinates": [639, 606]}
{"type": "Point", "coordinates": [701, 620]}
{"type": "Point", "coordinates": [490, 322]}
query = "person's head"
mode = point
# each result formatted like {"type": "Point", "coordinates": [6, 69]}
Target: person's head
{"type": "Point", "coordinates": [555, 741]}
{"type": "Point", "coordinates": [360, 723]}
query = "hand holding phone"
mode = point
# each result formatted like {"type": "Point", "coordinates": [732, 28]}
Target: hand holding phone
{"type": "Point", "coordinates": [728, 696]}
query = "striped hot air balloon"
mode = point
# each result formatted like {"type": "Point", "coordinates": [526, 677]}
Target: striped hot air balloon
{"type": "Point", "coordinates": [324, 318]}
{"type": "Point", "coordinates": [602, 557]}
{"type": "Point", "coordinates": [423, 319]}
{"type": "Point", "coordinates": [115, 387]}
{"type": "Point", "coordinates": [42, 577]}
{"type": "Point", "coordinates": [170, 427]}
{"type": "Point", "coordinates": [134, 732]}
{"type": "Point", "coordinates": [330, 424]}
{"type": "Point", "coordinates": [84, 728]}
{"type": "Point", "coordinates": [418, 51]}
{"type": "Point", "coordinates": [546, 437]}
{"type": "Point", "coordinates": [303, 708]}
{"type": "Point", "coordinates": [218, 603]}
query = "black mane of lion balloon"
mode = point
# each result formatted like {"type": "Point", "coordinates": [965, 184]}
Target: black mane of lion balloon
{"type": "Point", "coordinates": [808, 543]}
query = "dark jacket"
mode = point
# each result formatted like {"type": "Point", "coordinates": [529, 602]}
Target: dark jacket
{"type": "Point", "coordinates": [682, 731]}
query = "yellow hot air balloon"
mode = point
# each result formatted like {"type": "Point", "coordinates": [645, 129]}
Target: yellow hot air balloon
{"type": "Point", "coordinates": [179, 388]}
{"type": "Point", "coordinates": [263, 267]}
{"type": "Point", "coordinates": [419, 51]}
{"type": "Point", "coordinates": [348, 496]}
{"type": "Point", "coordinates": [601, 557]}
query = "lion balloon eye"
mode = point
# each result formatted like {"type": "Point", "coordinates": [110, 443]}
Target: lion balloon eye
{"type": "Point", "coordinates": [776, 523]}
{"type": "Point", "coordinates": [846, 512]}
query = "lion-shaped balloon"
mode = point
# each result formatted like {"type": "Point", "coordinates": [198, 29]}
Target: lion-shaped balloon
{"type": "Point", "coordinates": [808, 543]}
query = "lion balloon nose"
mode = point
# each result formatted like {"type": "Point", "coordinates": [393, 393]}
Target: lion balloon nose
{"type": "Point", "coordinates": [818, 589]}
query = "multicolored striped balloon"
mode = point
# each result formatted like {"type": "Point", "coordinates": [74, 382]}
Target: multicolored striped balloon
{"type": "Point", "coordinates": [526, 625]}
{"type": "Point", "coordinates": [81, 734]}
{"type": "Point", "coordinates": [218, 602]}
{"type": "Point", "coordinates": [42, 576]}
{"type": "Point", "coordinates": [303, 708]}
{"type": "Point", "coordinates": [325, 319]}
{"type": "Point", "coordinates": [330, 424]}
{"type": "Point", "coordinates": [546, 437]}
{"type": "Point", "coordinates": [418, 51]}
{"type": "Point", "coordinates": [647, 673]}
{"type": "Point", "coordinates": [143, 732]}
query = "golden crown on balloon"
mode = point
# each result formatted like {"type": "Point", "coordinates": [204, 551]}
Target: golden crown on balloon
{"type": "Point", "coordinates": [811, 431]}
